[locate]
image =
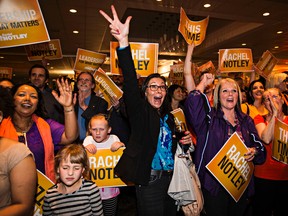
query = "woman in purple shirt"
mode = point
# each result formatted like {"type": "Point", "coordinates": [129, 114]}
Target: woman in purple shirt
{"type": "Point", "coordinates": [213, 127]}
{"type": "Point", "coordinates": [30, 125]}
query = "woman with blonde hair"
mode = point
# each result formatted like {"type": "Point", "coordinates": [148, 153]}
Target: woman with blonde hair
{"type": "Point", "coordinates": [271, 177]}
{"type": "Point", "coordinates": [213, 127]}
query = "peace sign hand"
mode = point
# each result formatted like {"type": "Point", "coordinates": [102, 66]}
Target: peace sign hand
{"type": "Point", "coordinates": [119, 30]}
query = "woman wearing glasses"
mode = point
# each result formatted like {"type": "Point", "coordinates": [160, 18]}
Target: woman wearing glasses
{"type": "Point", "coordinates": [271, 178]}
{"type": "Point", "coordinates": [148, 160]}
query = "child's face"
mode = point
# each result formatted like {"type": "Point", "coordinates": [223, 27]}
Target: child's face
{"type": "Point", "coordinates": [70, 174]}
{"type": "Point", "coordinates": [99, 130]}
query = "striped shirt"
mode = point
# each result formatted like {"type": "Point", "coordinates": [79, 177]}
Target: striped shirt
{"type": "Point", "coordinates": [85, 202]}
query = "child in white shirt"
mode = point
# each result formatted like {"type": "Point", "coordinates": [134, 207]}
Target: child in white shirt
{"type": "Point", "coordinates": [100, 137]}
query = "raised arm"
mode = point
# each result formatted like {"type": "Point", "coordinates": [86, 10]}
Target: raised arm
{"type": "Point", "coordinates": [188, 76]}
{"type": "Point", "coordinates": [119, 30]}
{"type": "Point", "coordinates": [66, 100]}
{"type": "Point", "coordinates": [266, 132]}
{"type": "Point", "coordinates": [207, 80]}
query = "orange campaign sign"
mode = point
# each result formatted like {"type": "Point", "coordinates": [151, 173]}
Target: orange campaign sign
{"type": "Point", "coordinates": [280, 142]}
{"type": "Point", "coordinates": [44, 183]}
{"type": "Point", "coordinates": [88, 61]}
{"type": "Point", "coordinates": [235, 60]}
{"type": "Point", "coordinates": [106, 86]}
{"type": "Point", "coordinates": [230, 168]}
{"type": "Point", "coordinates": [21, 23]}
{"type": "Point", "coordinates": [266, 64]}
{"type": "Point", "coordinates": [47, 50]}
{"type": "Point", "coordinates": [176, 72]}
{"type": "Point", "coordinates": [102, 166]}
{"type": "Point", "coordinates": [192, 31]}
{"type": "Point", "coordinates": [6, 72]}
{"type": "Point", "coordinates": [208, 67]}
{"type": "Point", "coordinates": [145, 56]}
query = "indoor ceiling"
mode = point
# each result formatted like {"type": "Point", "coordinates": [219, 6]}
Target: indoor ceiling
{"type": "Point", "coordinates": [231, 23]}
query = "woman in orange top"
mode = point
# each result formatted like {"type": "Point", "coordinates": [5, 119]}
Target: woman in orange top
{"type": "Point", "coordinates": [271, 178]}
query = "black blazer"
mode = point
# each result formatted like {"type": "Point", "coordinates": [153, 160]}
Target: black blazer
{"type": "Point", "coordinates": [135, 163]}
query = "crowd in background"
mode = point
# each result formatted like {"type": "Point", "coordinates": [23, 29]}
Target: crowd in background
{"type": "Point", "coordinates": [42, 123]}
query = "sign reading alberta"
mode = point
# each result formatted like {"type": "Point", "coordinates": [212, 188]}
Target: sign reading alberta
{"type": "Point", "coordinates": [230, 168]}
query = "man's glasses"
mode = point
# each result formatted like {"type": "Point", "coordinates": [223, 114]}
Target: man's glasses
{"type": "Point", "coordinates": [156, 87]}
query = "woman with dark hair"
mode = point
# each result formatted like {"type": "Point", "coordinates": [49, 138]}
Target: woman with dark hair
{"type": "Point", "coordinates": [254, 105]}
{"type": "Point", "coordinates": [29, 124]}
{"type": "Point", "coordinates": [18, 179]}
{"type": "Point", "coordinates": [148, 160]}
{"type": "Point", "coordinates": [175, 96]}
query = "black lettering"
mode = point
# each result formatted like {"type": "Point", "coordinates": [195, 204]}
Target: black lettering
{"type": "Point", "coordinates": [40, 191]}
{"type": "Point", "coordinates": [101, 173]}
{"type": "Point", "coordinates": [192, 36]}
{"type": "Point", "coordinates": [236, 63]}
{"type": "Point", "coordinates": [22, 24]}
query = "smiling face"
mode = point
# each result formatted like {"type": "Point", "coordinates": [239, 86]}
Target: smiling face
{"type": "Point", "coordinates": [85, 83]}
{"type": "Point", "coordinates": [99, 128]}
{"type": "Point", "coordinates": [228, 95]}
{"type": "Point", "coordinates": [155, 92]}
{"type": "Point", "coordinates": [25, 100]}
{"type": "Point", "coordinates": [257, 91]}
{"type": "Point", "coordinates": [178, 94]}
{"type": "Point", "coordinates": [70, 174]}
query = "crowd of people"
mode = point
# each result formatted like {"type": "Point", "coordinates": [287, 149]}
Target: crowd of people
{"type": "Point", "coordinates": [52, 131]}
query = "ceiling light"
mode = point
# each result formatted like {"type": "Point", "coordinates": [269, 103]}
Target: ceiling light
{"type": "Point", "coordinates": [279, 32]}
{"type": "Point", "coordinates": [207, 5]}
{"type": "Point", "coordinates": [276, 47]}
{"type": "Point", "coordinates": [243, 44]}
{"type": "Point", "coordinates": [1, 57]}
{"type": "Point", "coordinates": [73, 10]}
{"type": "Point", "coordinates": [158, 0]}
{"type": "Point", "coordinates": [266, 14]}
{"type": "Point", "coordinates": [75, 32]}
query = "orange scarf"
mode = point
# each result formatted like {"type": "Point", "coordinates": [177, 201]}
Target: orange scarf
{"type": "Point", "coordinates": [8, 130]}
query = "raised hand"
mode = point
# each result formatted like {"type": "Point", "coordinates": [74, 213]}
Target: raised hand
{"type": "Point", "coordinates": [65, 89]}
{"type": "Point", "coordinates": [206, 80]}
{"type": "Point", "coordinates": [119, 30]}
{"type": "Point", "coordinates": [274, 106]}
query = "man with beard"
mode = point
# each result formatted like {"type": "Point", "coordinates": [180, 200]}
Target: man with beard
{"type": "Point", "coordinates": [87, 104]}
